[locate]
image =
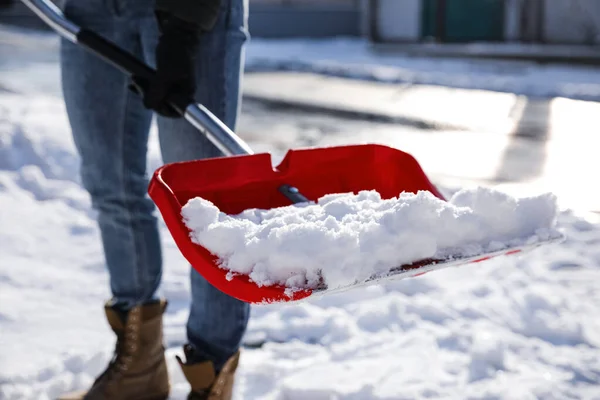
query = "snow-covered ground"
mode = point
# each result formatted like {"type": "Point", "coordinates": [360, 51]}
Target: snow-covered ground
{"type": "Point", "coordinates": [357, 59]}
{"type": "Point", "coordinates": [512, 328]}
{"type": "Point", "coordinates": [344, 57]}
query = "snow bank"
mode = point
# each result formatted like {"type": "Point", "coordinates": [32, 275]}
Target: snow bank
{"type": "Point", "coordinates": [345, 237]}
{"type": "Point", "coordinates": [358, 59]}
{"type": "Point", "coordinates": [512, 328]}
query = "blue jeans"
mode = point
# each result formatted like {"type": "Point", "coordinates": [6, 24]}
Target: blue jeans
{"type": "Point", "coordinates": [111, 127]}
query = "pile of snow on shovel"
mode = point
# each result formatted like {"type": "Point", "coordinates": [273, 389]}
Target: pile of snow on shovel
{"type": "Point", "coordinates": [345, 238]}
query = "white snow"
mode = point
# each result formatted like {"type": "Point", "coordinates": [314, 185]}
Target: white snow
{"type": "Point", "coordinates": [524, 327]}
{"type": "Point", "coordinates": [345, 238]}
{"type": "Point", "coordinates": [36, 55]}
{"type": "Point", "coordinates": [358, 59]}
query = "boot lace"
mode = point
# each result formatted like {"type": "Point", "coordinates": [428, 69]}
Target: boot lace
{"type": "Point", "coordinates": [125, 350]}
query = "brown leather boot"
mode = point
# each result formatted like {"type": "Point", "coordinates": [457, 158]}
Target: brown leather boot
{"type": "Point", "coordinates": [205, 383]}
{"type": "Point", "coordinates": [138, 369]}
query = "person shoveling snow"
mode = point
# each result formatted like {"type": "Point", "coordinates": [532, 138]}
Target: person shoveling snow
{"type": "Point", "coordinates": [338, 240]}
{"type": "Point", "coordinates": [345, 238]}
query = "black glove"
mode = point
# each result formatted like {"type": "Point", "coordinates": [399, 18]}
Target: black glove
{"type": "Point", "coordinates": [175, 65]}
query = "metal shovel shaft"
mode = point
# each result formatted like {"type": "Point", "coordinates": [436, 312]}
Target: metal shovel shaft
{"type": "Point", "coordinates": [196, 114]}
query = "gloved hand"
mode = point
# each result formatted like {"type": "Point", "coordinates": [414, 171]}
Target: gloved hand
{"type": "Point", "coordinates": [175, 64]}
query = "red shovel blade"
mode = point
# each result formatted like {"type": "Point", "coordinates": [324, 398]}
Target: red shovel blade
{"type": "Point", "coordinates": [237, 183]}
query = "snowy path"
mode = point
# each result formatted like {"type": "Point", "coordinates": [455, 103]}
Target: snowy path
{"type": "Point", "coordinates": [518, 328]}
{"type": "Point", "coordinates": [357, 59]}
{"type": "Point", "coordinates": [513, 328]}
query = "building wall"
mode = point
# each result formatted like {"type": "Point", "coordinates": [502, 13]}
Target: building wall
{"type": "Point", "coordinates": [457, 20]}
{"type": "Point", "coordinates": [305, 18]}
{"type": "Point", "coordinates": [549, 21]}
{"type": "Point", "coordinates": [267, 18]}
{"type": "Point", "coordinates": [533, 21]}
{"type": "Point", "coordinates": [399, 20]}
{"type": "Point", "coordinates": [572, 21]}
{"type": "Point", "coordinates": [512, 17]}
{"type": "Point", "coordinates": [553, 21]}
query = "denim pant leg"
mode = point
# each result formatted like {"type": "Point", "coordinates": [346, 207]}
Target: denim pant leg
{"type": "Point", "coordinates": [217, 321]}
{"type": "Point", "coordinates": [110, 128]}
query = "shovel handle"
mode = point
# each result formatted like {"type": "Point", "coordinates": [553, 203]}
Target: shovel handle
{"type": "Point", "coordinates": [196, 114]}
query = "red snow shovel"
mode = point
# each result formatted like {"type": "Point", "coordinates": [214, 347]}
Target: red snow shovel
{"type": "Point", "coordinates": [243, 180]}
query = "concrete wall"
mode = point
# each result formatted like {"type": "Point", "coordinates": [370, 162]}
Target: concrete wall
{"type": "Point", "coordinates": [512, 17]}
{"type": "Point", "coordinates": [312, 20]}
{"type": "Point", "coordinates": [399, 20]}
{"type": "Point", "coordinates": [571, 21]}
{"type": "Point", "coordinates": [553, 21]}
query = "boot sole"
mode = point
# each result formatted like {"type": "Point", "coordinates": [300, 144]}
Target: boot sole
{"type": "Point", "coordinates": [161, 397]}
